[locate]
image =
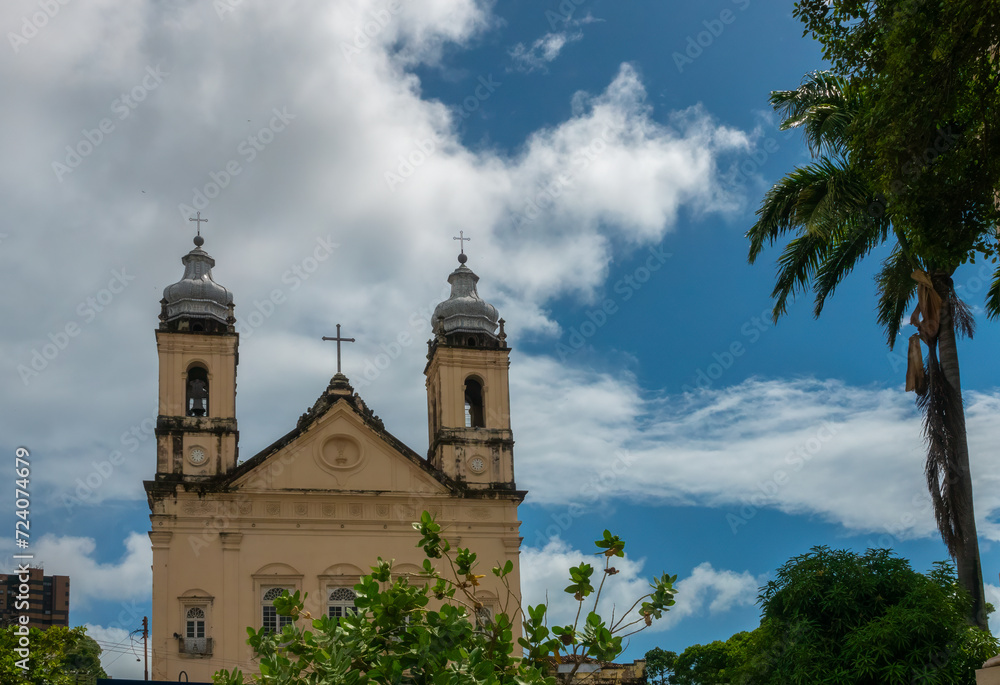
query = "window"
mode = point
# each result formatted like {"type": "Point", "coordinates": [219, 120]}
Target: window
{"type": "Point", "coordinates": [195, 623]}
{"type": "Point", "coordinates": [270, 620]}
{"type": "Point", "coordinates": [341, 602]}
{"type": "Point", "coordinates": [474, 404]}
{"type": "Point", "coordinates": [196, 402]}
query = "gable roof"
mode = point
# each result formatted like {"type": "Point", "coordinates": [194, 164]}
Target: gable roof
{"type": "Point", "coordinates": [340, 391]}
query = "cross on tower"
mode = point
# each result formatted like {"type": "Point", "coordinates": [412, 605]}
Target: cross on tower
{"type": "Point", "coordinates": [463, 239]}
{"type": "Point", "coordinates": [199, 220]}
{"type": "Point", "coordinates": [339, 340]}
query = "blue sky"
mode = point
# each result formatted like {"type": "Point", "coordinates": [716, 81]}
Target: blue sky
{"type": "Point", "coordinates": [605, 157]}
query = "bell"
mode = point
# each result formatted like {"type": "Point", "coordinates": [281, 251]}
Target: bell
{"type": "Point", "coordinates": [197, 407]}
{"type": "Point", "coordinates": [197, 397]}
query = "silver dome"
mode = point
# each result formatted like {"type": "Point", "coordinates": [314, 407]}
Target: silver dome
{"type": "Point", "coordinates": [196, 295]}
{"type": "Point", "coordinates": [465, 311]}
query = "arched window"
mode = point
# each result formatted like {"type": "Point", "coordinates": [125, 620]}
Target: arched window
{"type": "Point", "coordinates": [270, 621]}
{"type": "Point", "coordinates": [474, 404]}
{"type": "Point", "coordinates": [341, 602]}
{"type": "Point", "coordinates": [195, 623]}
{"type": "Point", "coordinates": [197, 391]}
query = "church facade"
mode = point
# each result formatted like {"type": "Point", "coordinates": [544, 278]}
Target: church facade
{"type": "Point", "coordinates": [314, 510]}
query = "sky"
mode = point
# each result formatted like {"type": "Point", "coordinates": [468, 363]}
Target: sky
{"type": "Point", "coordinates": [605, 159]}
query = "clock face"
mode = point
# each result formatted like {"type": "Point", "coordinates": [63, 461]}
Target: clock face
{"type": "Point", "coordinates": [478, 465]}
{"type": "Point", "coordinates": [197, 456]}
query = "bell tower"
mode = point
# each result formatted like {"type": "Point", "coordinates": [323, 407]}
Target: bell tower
{"type": "Point", "coordinates": [198, 349]}
{"type": "Point", "coordinates": [468, 396]}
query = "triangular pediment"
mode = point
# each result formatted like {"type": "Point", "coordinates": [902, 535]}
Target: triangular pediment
{"type": "Point", "coordinates": [341, 447]}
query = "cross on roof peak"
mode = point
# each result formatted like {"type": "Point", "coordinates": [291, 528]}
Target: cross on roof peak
{"type": "Point", "coordinates": [338, 340]}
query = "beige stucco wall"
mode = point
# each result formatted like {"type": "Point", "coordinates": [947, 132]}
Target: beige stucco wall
{"type": "Point", "coordinates": [316, 514]}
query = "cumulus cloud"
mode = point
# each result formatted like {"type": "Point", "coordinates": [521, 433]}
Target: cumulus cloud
{"type": "Point", "coordinates": [112, 584]}
{"type": "Point", "coordinates": [313, 165]}
{"type": "Point", "coordinates": [545, 572]}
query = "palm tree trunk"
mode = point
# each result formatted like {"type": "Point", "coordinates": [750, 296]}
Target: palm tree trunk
{"type": "Point", "coordinates": [955, 482]}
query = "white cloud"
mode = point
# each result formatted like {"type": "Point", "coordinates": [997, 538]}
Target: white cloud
{"type": "Point", "coordinates": [993, 597]}
{"type": "Point", "coordinates": [121, 651]}
{"type": "Point", "coordinates": [853, 456]}
{"type": "Point", "coordinates": [545, 572]}
{"type": "Point", "coordinates": [613, 171]}
{"type": "Point", "coordinates": [544, 50]}
{"type": "Point", "coordinates": [112, 584]}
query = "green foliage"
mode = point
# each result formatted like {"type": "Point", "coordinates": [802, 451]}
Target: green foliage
{"type": "Point", "coordinates": [927, 141]}
{"type": "Point", "coordinates": [905, 150]}
{"type": "Point", "coordinates": [837, 617]}
{"type": "Point", "coordinates": [397, 637]}
{"type": "Point", "coordinates": [659, 665]}
{"type": "Point", "coordinates": [58, 656]}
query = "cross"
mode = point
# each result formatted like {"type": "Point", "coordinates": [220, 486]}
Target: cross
{"type": "Point", "coordinates": [339, 340]}
{"type": "Point", "coordinates": [461, 236]}
{"type": "Point", "coordinates": [199, 220]}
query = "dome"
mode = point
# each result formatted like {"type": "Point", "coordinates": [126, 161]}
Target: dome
{"type": "Point", "coordinates": [197, 297]}
{"type": "Point", "coordinates": [465, 314]}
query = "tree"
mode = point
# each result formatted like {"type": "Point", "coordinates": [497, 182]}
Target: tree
{"type": "Point", "coordinates": [702, 665]}
{"type": "Point", "coordinates": [659, 665]}
{"type": "Point", "coordinates": [840, 216]}
{"type": "Point", "coordinates": [836, 617]}
{"type": "Point", "coordinates": [395, 638]}
{"type": "Point", "coordinates": [56, 656]}
{"type": "Point", "coordinates": [712, 664]}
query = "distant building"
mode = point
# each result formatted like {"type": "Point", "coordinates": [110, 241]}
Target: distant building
{"type": "Point", "coordinates": [593, 672]}
{"type": "Point", "coordinates": [47, 599]}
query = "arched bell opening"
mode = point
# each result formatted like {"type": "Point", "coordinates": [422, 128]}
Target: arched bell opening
{"type": "Point", "coordinates": [196, 401]}
{"type": "Point", "coordinates": [474, 415]}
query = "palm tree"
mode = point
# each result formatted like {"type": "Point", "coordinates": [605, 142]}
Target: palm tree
{"type": "Point", "coordinates": [837, 219]}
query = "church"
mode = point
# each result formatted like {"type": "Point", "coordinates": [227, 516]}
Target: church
{"type": "Point", "coordinates": [314, 510]}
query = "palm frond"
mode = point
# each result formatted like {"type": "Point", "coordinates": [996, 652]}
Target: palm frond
{"type": "Point", "coordinates": [896, 289]}
{"type": "Point", "coordinates": [791, 204]}
{"type": "Point", "coordinates": [796, 266]}
{"type": "Point", "coordinates": [940, 406]}
{"type": "Point", "coordinates": [820, 105]}
{"type": "Point", "coordinates": [965, 322]}
{"type": "Point", "coordinates": [993, 296]}
{"type": "Point", "coordinates": [857, 237]}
